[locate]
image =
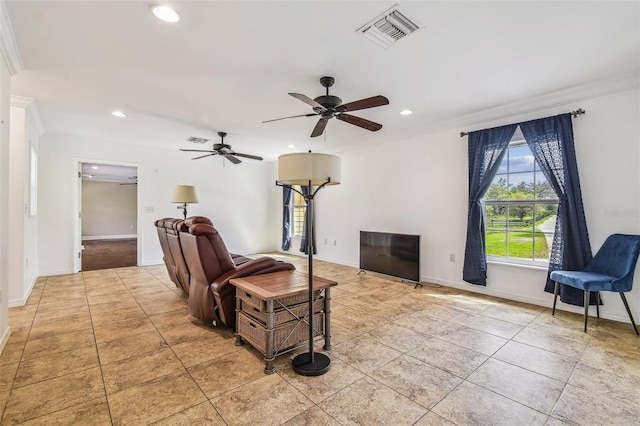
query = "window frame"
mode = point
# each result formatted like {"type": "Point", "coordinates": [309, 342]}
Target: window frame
{"type": "Point", "coordinates": [517, 141]}
{"type": "Point", "coordinates": [297, 207]}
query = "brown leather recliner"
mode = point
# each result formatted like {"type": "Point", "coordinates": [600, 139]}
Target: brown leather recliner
{"type": "Point", "coordinates": [211, 296]}
{"type": "Point", "coordinates": [238, 259]}
{"type": "Point", "coordinates": [169, 235]}
{"type": "Point", "coordinates": [167, 257]}
{"type": "Point", "coordinates": [175, 246]}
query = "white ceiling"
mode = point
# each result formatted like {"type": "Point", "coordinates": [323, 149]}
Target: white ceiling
{"type": "Point", "coordinates": [109, 173]}
{"type": "Point", "coordinates": [228, 66]}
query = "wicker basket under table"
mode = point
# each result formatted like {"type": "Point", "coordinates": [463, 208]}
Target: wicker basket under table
{"type": "Point", "coordinates": [271, 311]}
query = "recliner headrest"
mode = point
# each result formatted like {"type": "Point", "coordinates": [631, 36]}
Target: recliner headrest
{"type": "Point", "coordinates": [192, 220]}
{"type": "Point", "coordinates": [160, 222]}
{"type": "Point", "coordinates": [202, 229]}
{"type": "Point", "coordinates": [180, 226]}
{"type": "Point", "coordinates": [168, 223]}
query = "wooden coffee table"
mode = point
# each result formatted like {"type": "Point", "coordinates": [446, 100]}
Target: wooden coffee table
{"type": "Point", "coordinates": [272, 312]}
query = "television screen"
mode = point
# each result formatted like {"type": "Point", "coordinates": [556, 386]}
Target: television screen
{"type": "Point", "coordinates": [397, 255]}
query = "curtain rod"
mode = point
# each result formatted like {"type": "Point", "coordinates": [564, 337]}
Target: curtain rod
{"type": "Point", "coordinates": [575, 113]}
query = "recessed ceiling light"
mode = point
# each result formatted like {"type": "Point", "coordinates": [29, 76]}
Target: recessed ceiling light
{"type": "Point", "coordinates": [119, 114]}
{"type": "Point", "coordinates": [165, 13]}
{"type": "Point", "coordinates": [292, 146]}
{"type": "Point", "coordinates": [95, 167]}
{"type": "Point", "coordinates": [406, 112]}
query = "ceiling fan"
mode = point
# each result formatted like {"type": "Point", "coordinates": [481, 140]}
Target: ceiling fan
{"type": "Point", "coordinates": [135, 178]}
{"type": "Point", "coordinates": [328, 106]}
{"type": "Point", "coordinates": [224, 150]}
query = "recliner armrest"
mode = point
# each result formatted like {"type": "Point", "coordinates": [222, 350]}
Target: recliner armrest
{"type": "Point", "coordinates": [252, 267]}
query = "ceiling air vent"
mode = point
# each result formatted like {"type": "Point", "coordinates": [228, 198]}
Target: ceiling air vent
{"type": "Point", "coordinates": [197, 140]}
{"type": "Point", "coordinates": [388, 28]}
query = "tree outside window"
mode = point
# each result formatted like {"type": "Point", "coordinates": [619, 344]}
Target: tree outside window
{"type": "Point", "coordinates": [520, 209]}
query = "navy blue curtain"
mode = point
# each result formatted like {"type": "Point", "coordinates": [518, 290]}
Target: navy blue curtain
{"type": "Point", "coordinates": [305, 232]}
{"type": "Point", "coordinates": [486, 150]}
{"type": "Point", "coordinates": [286, 217]}
{"type": "Point", "coordinates": [551, 141]}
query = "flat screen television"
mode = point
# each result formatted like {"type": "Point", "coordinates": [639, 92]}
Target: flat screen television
{"type": "Point", "coordinates": [397, 255]}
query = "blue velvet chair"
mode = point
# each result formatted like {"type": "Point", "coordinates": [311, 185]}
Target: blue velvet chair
{"type": "Point", "coordinates": [611, 269]}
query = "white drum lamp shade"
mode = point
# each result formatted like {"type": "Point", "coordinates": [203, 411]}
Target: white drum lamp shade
{"type": "Point", "coordinates": [184, 194]}
{"type": "Point", "coordinates": [301, 167]}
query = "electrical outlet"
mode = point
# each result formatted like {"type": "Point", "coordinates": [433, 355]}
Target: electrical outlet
{"type": "Point", "coordinates": [452, 257]}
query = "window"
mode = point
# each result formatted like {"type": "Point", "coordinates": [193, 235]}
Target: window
{"type": "Point", "coordinates": [520, 209]}
{"type": "Point", "coordinates": [299, 207]}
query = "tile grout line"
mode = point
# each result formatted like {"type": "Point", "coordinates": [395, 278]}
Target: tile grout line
{"type": "Point", "coordinates": [95, 341]}
{"type": "Point", "coordinates": [169, 346]}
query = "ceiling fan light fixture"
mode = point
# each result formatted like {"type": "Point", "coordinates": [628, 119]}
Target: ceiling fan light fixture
{"type": "Point", "coordinates": [165, 13]}
{"type": "Point", "coordinates": [406, 112]}
{"type": "Point", "coordinates": [119, 114]}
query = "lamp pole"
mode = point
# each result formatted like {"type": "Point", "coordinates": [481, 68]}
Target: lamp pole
{"type": "Point", "coordinates": [184, 210]}
{"type": "Point", "coordinates": [310, 363]}
{"type": "Point", "coordinates": [309, 170]}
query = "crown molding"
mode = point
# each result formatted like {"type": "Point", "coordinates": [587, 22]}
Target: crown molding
{"type": "Point", "coordinates": [31, 107]}
{"type": "Point", "coordinates": [526, 109]}
{"type": "Point", "coordinates": [8, 45]}
{"type": "Point", "coordinates": [547, 101]}
{"type": "Point", "coordinates": [21, 101]}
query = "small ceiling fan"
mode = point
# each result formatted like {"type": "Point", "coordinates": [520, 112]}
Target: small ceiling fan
{"type": "Point", "coordinates": [135, 181]}
{"type": "Point", "coordinates": [224, 150]}
{"type": "Point", "coordinates": [328, 106]}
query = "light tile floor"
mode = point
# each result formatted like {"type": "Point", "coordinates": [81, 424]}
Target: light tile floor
{"type": "Point", "coordinates": [118, 347]}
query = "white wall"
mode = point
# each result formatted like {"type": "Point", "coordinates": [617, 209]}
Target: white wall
{"type": "Point", "coordinates": [109, 210]}
{"type": "Point", "coordinates": [23, 230]}
{"type": "Point", "coordinates": [419, 186]}
{"type": "Point", "coordinates": [239, 199]}
{"type": "Point", "coordinates": [5, 94]}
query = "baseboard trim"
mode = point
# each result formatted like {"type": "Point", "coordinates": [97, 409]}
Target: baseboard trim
{"type": "Point", "coordinates": [546, 302]}
{"type": "Point", "coordinates": [151, 262]}
{"type": "Point", "coordinates": [56, 272]}
{"type": "Point", "coordinates": [5, 338]}
{"type": "Point", "coordinates": [109, 237]}
{"type": "Point", "coordinates": [13, 303]}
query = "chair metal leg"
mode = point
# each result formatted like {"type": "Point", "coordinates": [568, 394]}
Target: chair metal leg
{"type": "Point", "coordinates": [626, 305]}
{"type": "Point", "coordinates": [586, 309]}
{"type": "Point", "coordinates": [556, 289]}
{"type": "Point", "coordinates": [598, 304]}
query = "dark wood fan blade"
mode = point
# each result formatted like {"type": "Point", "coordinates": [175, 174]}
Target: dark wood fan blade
{"type": "Point", "coordinates": [253, 157]}
{"type": "Point", "coordinates": [197, 150]}
{"type": "Point", "coordinates": [319, 129]}
{"type": "Point", "coordinates": [307, 100]}
{"type": "Point", "coordinates": [360, 122]}
{"type": "Point", "coordinates": [374, 101]}
{"type": "Point", "coordinates": [202, 156]}
{"type": "Point", "coordinates": [233, 159]}
{"type": "Point", "coordinates": [292, 116]}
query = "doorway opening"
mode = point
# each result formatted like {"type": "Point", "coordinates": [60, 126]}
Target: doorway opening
{"type": "Point", "coordinates": [108, 216]}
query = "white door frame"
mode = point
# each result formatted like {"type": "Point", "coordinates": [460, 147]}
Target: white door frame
{"type": "Point", "coordinates": [77, 208]}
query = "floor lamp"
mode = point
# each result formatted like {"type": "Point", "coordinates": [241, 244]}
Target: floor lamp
{"type": "Point", "coordinates": [184, 194]}
{"type": "Point", "coordinates": [314, 171]}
